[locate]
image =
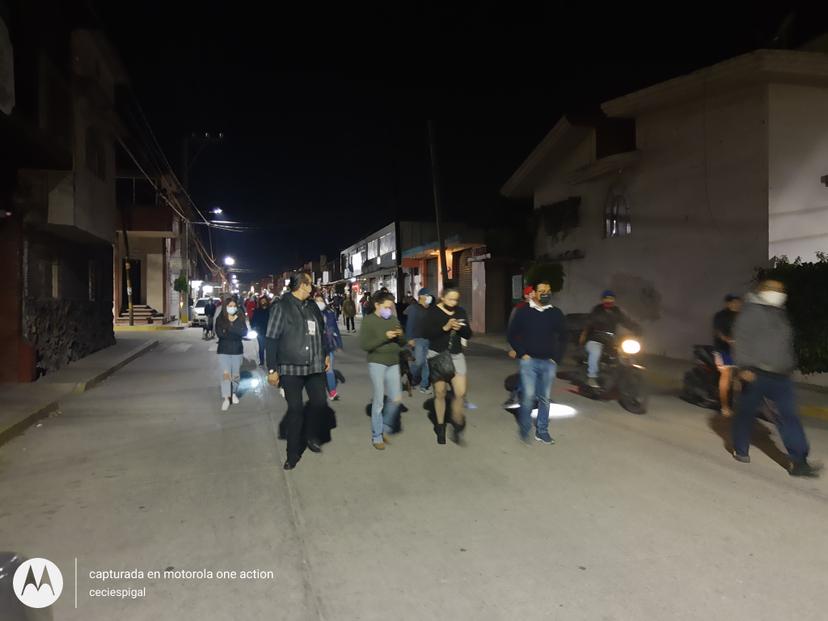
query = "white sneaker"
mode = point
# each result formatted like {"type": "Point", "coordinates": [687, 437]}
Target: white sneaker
{"type": "Point", "coordinates": [225, 405]}
{"type": "Point", "coordinates": [235, 400]}
{"type": "Point", "coordinates": [593, 383]}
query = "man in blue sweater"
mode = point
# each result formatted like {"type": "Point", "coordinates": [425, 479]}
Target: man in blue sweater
{"type": "Point", "coordinates": [538, 336]}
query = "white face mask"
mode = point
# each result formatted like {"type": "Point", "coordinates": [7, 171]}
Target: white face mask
{"type": "Point", "coordinates": [321, 305]}
{"type": "Point", "coordinates": [773, 298]}
{"type": "Point", "coordinates": [231, 310]}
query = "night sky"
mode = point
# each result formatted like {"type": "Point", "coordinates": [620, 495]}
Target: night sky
{"type": "Point", "coordinates": [324, 110]}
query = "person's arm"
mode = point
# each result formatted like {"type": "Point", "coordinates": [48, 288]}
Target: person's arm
{"type": "Point", "coordinates": [221, 328]}
{"type": "Point", "coordinates": [627, 322]}
{"type": "Point", "coordinates": [273, 334]}
{"type": "Point", "coordinates": [563, 338]}
{"type": "Point", "coordinates": [512, 331]}
{"type": "Point", "coordinates": [372, 335]}
{"type": "Point", "coordinates": [238, 328]}
{"type": "Point", "coordinates": [515, 334]}
{"type": "Point", "coordinates": [433, 323]}
{"type": "Point", "coordinates": [745, 331]}
{"type": "Point", "coordinates": [465, 330]}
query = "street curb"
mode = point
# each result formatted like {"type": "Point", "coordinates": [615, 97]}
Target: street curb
{"type": "Point", "coordinates": [24, 423]}
{"type": "Point", "coordinates": [82, 387]}
{"type": "Point", "coordinates": [147, 328]}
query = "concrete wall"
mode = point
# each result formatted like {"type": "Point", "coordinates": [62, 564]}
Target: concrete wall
{"type": "Point", "coordinates": [798, 157]}
{"type": "Point", "coordinates": [155, 281]}
{"type": "Point", "coordinates": [699, 221]}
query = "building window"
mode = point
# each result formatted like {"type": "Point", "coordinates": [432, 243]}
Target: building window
{"type": "Point", "coordinates": [387, 243]}
{"type": "Point", "coordinates": [617, 216]}
{"type": "Point", "coordinates": [356, 263]}
{"type": "Point", "coordinates": [95, 154]}
{"type": "Point", "coordinates": [92, 281]}
{"type": "Point", "coordinates": [373, 245]}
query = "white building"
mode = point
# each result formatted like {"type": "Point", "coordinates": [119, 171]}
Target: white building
{"type": "Point", "coordinates": [684, 188]}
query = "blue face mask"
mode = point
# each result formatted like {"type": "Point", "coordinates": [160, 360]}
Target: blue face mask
{"type": "Point", "coordinates": [386, 313]}
{"type": "Point", "coordinates": [231, 310]}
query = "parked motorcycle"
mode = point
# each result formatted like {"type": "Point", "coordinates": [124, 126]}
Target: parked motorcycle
{"type": "Point", "coordinates": [620, 373]}
{"type": "Point", "coordinates": [701, 383]}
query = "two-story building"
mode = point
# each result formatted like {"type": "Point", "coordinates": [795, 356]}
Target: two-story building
{"type": "Point", "coordinates": [678, 192]}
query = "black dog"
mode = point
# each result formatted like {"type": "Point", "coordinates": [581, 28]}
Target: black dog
{"type": "Point", "coordinates": [405, 371]}
{"type": "Point", "coordinates": [325, 423]}
{"type": "Point", "coordinates": [397, 426]}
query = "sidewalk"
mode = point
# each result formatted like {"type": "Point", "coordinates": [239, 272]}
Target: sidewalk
{"type": "Point", "coordinates": [24, 404]}
{"type": "Point", "coordinates": [667, 374]}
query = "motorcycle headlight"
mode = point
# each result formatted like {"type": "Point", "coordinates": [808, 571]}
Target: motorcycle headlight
{"type": "Point", "coordinates": [631, 346]}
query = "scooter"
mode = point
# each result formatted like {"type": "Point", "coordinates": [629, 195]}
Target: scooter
{"type": "Point", "coordinates": [620, 373]}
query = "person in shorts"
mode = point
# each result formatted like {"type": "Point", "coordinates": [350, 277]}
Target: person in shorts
{"type": "Point", "coordinates": [723, 348]}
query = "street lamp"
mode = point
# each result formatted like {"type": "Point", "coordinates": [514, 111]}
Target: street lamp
{"type": "Point", "coordinates": [229, 261]}
{"type": "Point", "coordinates": [217, 210]}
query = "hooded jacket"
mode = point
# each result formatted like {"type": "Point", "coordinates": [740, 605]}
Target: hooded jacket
{"type": "Point", "coordinates": [763, 338]}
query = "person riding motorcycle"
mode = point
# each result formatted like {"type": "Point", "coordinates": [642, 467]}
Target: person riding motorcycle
{"type": "Point", "coordinates": [605, 317]}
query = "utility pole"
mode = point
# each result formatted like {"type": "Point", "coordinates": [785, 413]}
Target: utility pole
{"type": "Point", "coordinates": [435, 183]}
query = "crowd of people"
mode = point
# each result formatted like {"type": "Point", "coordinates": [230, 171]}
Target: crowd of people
{"type": "Point", "coordinates": [299, 335]}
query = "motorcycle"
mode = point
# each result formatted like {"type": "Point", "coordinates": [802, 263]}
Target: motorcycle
{"type": "Point", "coordinates": [701, 383]}
{"type": "Point", "coordinates": [620, 373]}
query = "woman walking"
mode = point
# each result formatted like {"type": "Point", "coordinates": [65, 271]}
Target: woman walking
{"type": "Point", "coordinates": [349, 312]}
{"type": "Point", "coordinates": [444, 326]}
{"type": "Point", "coordinates": [332, 341]}
{"type": "Point", "coordinates": [231, 328]}
{"type": "Point", "coordinates": [382, 337]}
{"type": "Point", "coordinates": [259, 323]}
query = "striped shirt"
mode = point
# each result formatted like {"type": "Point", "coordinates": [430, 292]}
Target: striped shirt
{"type": "Point", "coordinates": [317, 349]}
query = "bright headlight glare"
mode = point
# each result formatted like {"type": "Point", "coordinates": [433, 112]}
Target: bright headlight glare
{"type": "Point", "coordinates": [631, 346]}
{"type": "Point", "coordinates": [252, 334]}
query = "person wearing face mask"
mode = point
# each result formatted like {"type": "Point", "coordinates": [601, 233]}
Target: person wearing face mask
{"type": "Point", "coordinates": [230, 328]}
{"type": "Point", "coordinates": [416, 314]}
{"type": "Point", "coordinates": [605, 317]}
{"type": "Point", "coordinates": [333, 342]}
{"type": "Point", "coordinates": [259, 323]}
{"type": "Point", "coordinates": [446, 325]}
{"type": "Point", "coordinates": [763, 351]}
{"type": "Point", "coordinates": [297, 359]}
{"type": "Point", "coordinates": [382, 337]}
{"type": "Point", "coordinates": [537, 334]}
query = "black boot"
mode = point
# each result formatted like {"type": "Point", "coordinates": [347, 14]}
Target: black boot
{"type": "Point", "coordinates": [441, 433]}
{"type": "Point", "coordinates": [457, 433]}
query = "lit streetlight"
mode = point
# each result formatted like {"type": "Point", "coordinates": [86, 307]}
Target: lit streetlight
{"type": "Point", "coordinates": [229, 261]}
{"type": "Point", "coordinates": [217, 210]}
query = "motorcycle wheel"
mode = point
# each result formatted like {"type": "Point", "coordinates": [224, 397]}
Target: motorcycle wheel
{"type": "Point", "coordinates": [633, 396]}
{"type": "Point", "coordinates": [634, 405]}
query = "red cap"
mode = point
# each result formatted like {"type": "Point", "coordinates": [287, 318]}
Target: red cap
{"type": "Point", "coordinates": [528, 289]}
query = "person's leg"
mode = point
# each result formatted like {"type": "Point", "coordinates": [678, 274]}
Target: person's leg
{"type": "Point", "coordinates": [594, 350]}
{"type": "Point", "coordinates": [790, 427]}
{"type": "Point", "coordinates": [545, 376]}
{"type": "Point", "coordinates": [226, 375]}
{"type": "Point", "coordinates": [235, 371]}
{"type": "Point", "coordinates": [377, 373]}
{"type": "Point", "coordinates": [331, 377]}
{"type": "Point", "coordinates": [261, 339]}
{"type": "Point", "coordinates": [421, 352]}
{"type": "Point", "coordinates": [458, 403]}
{"type": "Point", "coordinates": [527, 397]}
{"type": "Point", "coordinates": [752, 395]}
{"type": "Point", "coordinates": [725, 380]}
{"type": "Point", "coordinates": [318, 400]}
{"type": "Point", "coordinates": [440, 389]}
{"type": "Point", "coordinates": [293, 386]}
{"type": "Point", "coordinates": [393, 389]}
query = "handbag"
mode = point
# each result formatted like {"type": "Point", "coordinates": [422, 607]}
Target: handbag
{"type": "Point", "coordinates": [441, 366]}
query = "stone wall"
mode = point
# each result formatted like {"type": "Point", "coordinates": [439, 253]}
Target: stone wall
{"type": "Point", "coordinates": [63, 331]}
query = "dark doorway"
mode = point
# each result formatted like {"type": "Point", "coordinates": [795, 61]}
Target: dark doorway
{"type": "Point", "coordinates": [431, 275]}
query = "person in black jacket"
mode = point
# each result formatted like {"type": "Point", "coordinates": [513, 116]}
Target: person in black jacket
{"type": "Point", "coordinates": [537, 335]}
{"type": "Point", "coordinates": [231, 328]}
{"type": "Point", "coordinates": [444, 326]}
{"type": "Point", "coordinates": [209, 317]}
{"type": "Point", "coordinates": [297, 359]}
{"type": "Point", "coordinates": [259, 324]}
{"type": "Point", "coordinates": [605, 317]}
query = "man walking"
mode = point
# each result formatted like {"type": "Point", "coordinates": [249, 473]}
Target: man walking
{"type": "Point", "coordinates": [416, 314]}
{"type": "Point", "coordinates": [209, 316]}
{"type": "Point", "coordinates": [297, 359]}
{"type": "Point", "coordinates": [537, 334]}
{"type": "Point", "coordinates": [349, 312]}
{"type": "Point", "coordinates": [764, 353]}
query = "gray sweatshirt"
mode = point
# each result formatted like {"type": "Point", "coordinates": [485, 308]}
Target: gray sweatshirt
{"type": "Point", "coordinates": [764, 338]}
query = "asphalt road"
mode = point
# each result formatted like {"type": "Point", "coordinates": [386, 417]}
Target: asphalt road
{"type": "Point", "coordinates": [625, 517]}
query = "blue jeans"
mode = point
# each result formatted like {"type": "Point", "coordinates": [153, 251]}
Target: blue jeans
{"type": "Point", "coordinates": [420, 368]}
{"type": "Point", "coordinates": [261, 338]}
{"type": "Point", "coordinates": [386, 381]}
{"type": "Point", "coordinates": [331, 376]}
{"type": "Point", "coordinates": [780, 390]}
{"type": "Point", "coordinates": [536, 377]}
{"type": "Point", "coordinates": [229, 364]}
{"type": "Point", "coordinates": [593, 349]}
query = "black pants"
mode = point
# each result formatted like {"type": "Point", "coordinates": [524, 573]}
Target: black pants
{"type": "Point", "coordinates": [317, 395]}
{"type": "Point", "coordinates": [350, 323]}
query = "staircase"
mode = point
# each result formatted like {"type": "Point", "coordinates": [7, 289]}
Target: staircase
{"type": "Point", "coordinates": [142, 314]}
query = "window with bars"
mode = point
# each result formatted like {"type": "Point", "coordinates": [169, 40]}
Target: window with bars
{"type": "Point", "coordinates": [373, 245]}
{"type": "Point", "coordinates": [617, 222]}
